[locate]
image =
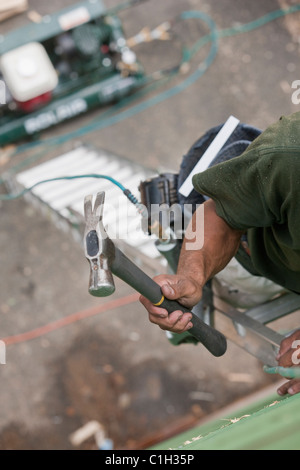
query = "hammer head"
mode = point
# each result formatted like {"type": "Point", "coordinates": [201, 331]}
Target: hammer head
{"type": "Point", "coordinates": [99, 249]}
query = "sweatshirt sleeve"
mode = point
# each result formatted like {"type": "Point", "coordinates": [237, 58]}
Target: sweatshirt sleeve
{"type": "Point", "coordinates": [239, 188]}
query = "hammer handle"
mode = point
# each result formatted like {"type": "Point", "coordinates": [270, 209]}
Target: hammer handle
{"type": "Point", "coordinates": [126, 270]}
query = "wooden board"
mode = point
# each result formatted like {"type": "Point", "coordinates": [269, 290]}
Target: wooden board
{"type": "Point", "coordinates": [10, 8]}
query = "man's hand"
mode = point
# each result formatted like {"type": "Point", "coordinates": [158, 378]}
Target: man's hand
{"type": "Point", "coordinates": [198, 262]}
{"type": "Point", "coordinates": [289, 356]}
{"type": "Point", "coordinates": [174, 287]}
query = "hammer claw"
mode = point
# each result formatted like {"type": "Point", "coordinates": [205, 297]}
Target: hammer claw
{"type": "Point", "coordinates": [88, 207]}
{"type": "Point", "coordinates": [93, 216]}
{"type": "Point", "coordinates": [98, 248]}
{"type": "Point", "coordinates": [99, 204]}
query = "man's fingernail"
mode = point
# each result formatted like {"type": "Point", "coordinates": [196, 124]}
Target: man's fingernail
{"type": "Point", "coordinates": [291, 391]}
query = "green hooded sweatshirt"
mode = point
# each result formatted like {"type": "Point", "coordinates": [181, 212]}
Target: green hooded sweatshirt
{"type": "Point", "coordinates": [259, 192]}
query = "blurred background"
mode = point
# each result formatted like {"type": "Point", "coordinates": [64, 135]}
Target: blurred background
{"type": "Point", "coordinates": [72, 359]}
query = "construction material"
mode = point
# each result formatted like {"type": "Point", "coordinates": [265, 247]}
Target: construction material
{"type": "Point", "coordinates": [268, 423]}
{"type": "Point", "coordinates": [91, 429]}
{"type": "Point", "coordinates": [210, 154]}
{"type": "Point", "coordinates": [10, 8]}
{"type": "Point", "coordinates": [256, 338]}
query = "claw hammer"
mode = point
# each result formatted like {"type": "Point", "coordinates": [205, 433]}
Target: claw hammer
{"type": "Point", "coordinates": [106, 259]}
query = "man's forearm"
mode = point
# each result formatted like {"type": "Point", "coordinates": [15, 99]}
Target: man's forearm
{"type": "Point", "coordinates": [220, 243]}
{"type": "Point", "coordinates": [196, 266]}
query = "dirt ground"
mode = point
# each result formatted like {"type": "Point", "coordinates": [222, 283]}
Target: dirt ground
{"type": "Point", "coordinates": [105, 362]}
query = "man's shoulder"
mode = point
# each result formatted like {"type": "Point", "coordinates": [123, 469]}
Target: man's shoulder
{"type": "Point", "coordinates": [282, 135]}
{"type": "Point", "coordinates": [277, 148]}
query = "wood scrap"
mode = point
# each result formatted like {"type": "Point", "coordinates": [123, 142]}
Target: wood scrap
{"type": "Point", "coordinates": [10, 8]}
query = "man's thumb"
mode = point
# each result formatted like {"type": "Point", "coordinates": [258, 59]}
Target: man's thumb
{"type": "Point", "coordinates": [169, 291]}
